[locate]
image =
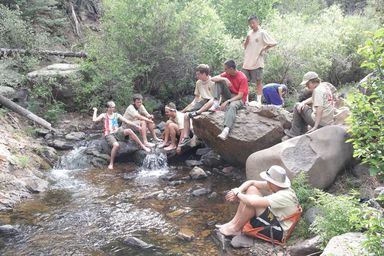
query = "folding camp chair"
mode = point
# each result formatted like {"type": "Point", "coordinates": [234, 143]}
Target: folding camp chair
{"type": "Point", "coordinates": [255, 232]}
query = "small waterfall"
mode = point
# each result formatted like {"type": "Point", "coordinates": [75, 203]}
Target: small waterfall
{"type": "Point", "coordinates": [75, 159]}
{"type": "Point", "coordinates": [155, 161]}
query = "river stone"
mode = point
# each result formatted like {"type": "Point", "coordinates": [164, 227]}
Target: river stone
{"type": "Point", "coordinates": [379, 191]}
{"type": "Point", "coordinates": [202, 151]}
{"type": "Point", "coordinates": [197, 173]}
{"type": "Point", "coordinates": [252, 131]}
{"type": "Point", "coordinates": [60, 144]}
{"type": "Point", "coordinates": [186, 234]}
{"type": "Point", "coordinates": [136, 242]}
{"type": "Point", "coordinates": [35, 184]}
{"type": "Point", "coordinates": [212, 159]}
{"type": "Point", "coordinates": [345, 245]}
{"type": "Point", "coordinates": [75, 136]}
{"type": "Point", "coordinates": [360, 170]}
{"type": "Point", "coordinates": [8, 230]}
{"type": "Point", "coordinates": [8, 92]}
{"type": "Point", "coordinates": [321, 155]}
{"type": "Point", "coordinates": [48, 153]}
{"type": "Point", "coordinates": [242, 241]}
{"type": "Point", "coordinates": [306, 247]}
{"type": "Point", "coordinates": [191, 163]}
{"type": "Point", "coordinates": [311, 214]}
{"type": "Point", "coordinates": [201, 191]}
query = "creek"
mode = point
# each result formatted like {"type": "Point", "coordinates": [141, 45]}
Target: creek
{"type": "Point", "coordinates": [88, 211]}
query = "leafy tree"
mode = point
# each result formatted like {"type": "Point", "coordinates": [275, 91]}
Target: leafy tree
{"type": "Point", "coordinates": [153, 47]}
{"type": "Point", "coordinates": [367, 120]}
{"type": "Point", "coordinates": [235, 13]}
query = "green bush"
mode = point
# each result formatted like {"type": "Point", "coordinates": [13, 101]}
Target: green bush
{"type": "Point", "coordinates": [340, 214]}
{"type": "Point", "coordinates": [158, 58]}
{"type": "Point", "coordinates": [367, 119]}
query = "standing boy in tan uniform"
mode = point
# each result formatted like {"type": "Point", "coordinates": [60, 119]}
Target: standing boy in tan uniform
{"type": "Point", "coordinates": [256, 44]}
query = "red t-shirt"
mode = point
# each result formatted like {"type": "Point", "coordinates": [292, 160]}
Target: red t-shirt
{"type": "Point", "coordinates": [239, 83]}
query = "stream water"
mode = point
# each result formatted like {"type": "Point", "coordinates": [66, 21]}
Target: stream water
{"type": "Point", "coordinates": [93, 211]}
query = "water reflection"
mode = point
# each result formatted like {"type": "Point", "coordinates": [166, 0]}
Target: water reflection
{"type": "Point", "coordinates": [92, 211]}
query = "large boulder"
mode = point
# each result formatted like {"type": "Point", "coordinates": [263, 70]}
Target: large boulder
{"type": "Point", "coordinates": [346, 245]}
{"type": "Point", "coordinates": [320, 154]}
{"type": "Point", "coordinates": [255, 129]}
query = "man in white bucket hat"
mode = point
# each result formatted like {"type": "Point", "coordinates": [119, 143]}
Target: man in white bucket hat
{"type": "Point", "coordinates": [263, 210]}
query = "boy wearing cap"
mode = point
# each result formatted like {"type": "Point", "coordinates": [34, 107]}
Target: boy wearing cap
{"type": "Point", "coordinates": [263, 210]}
{"type": "Point", "coordinates": [173, 127]}
{"type": "Point", "coordinates": [322, 111]}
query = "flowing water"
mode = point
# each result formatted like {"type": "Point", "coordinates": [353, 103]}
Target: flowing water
{"type": "Point", "coordinates": [94, 211]}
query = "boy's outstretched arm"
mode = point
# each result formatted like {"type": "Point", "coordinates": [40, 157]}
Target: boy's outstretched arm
{"type": "Point", "coordinates": [94, 118]}
{"type": "Point", "coordinates": [137, 127]}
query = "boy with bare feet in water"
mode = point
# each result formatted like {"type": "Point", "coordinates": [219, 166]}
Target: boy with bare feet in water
{"type": "Point", "coordinates": [174, 127]}
{"type": "Point", "coordinates": [262, 211]}
{"type": "Point", "coordinates": [113, 133]}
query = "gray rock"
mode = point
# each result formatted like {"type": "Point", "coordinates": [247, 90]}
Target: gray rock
{"type": "Point", "coordinates": [136, 242]}
{"type": "Point", "coordinates": [212, 159]}
{"type": "Point", "coordinates": [253, 131]}
{"type": "Point", "coordinates": [311, 214]}
{"type": "Point", "coordinates": [48, 153]}
{"type": "Point", "coordinates": [42, 132]}
{"type": "Point", "coordinates": [7, 92]}
{"type": "Point", "coordinates": [75, 136]}
{"type": "Point", "coordinates": [197, 173]}
{"type": "Point", "coordinates": [191, 163]}
{"type": "Point", "coordinates": [202, 151]}
{"type": "Point", "coordinates": [306, 247]}
{"type": "Point", "coordinates": [346, 245]}
{"type": "Point", "coordinates": [242, 241]}
{"type": "Point", "coordinates": [60, 144]}
{"type": "Point", "coordinates": [8, 230]}
{"type": "Point", "coordinates": [321, 155]}
{"type": "Point", "coordinates": [35, 184]}
{"type": "Point", "coordinates": [201, 191]}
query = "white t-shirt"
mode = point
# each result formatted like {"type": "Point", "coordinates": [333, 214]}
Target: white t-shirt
{"type": "Point", "coordinates": [203, 89]}
{"type": "Point", "coordinates": [322, 97]}
{"type": "Point", "coordinates": [131, 113]}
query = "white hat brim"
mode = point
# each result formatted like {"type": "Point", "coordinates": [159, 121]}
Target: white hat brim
{"type": "Point", "coordinates": [286, 184]}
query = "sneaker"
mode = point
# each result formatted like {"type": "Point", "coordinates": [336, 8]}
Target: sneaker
{"type": "Point", "coordinates": [193, 114]}
{"type": "Point", "coordinates": [224, 134]}
{"type": "Point", "coordinates": [215, 106]}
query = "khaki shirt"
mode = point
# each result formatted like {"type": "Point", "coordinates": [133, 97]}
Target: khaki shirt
{"type": "Point", "coordinates": [132, 114]}
{"type": "Point", "coordinates": [322, 97]}
{"type": "Point", "coordinates": [282, 204]}
{"type": "Point", "coordinates": [257, 41]}
{"type": "Point", "coordinates": [203, 89]}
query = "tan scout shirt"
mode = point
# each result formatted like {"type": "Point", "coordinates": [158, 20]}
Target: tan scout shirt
{"type": "Point", "coordinates": [257, 41]}
{"type": "Point", "coordinates": [203, 89]}
{"type": "Point", "coordinates": [322, 97]}
{"type": "Point", "coordinates": [131, 113]}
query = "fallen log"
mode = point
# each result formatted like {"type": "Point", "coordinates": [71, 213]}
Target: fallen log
{"type": "Point", "coordinates": [4, 52]}
{"type": "Point", "coordinates": [24, 112]}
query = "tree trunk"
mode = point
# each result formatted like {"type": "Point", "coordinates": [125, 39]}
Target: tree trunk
{"type": "Point", "coordinates": [24, 112]}
{"type": "Point", "coordinates": [4, 52]}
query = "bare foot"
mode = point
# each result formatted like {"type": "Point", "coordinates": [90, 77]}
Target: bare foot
{"type": "Point", "coordinates": [146, 149]}
{"type": "Point", "coordinates": [163, 144]}
{"type": "Point", "coordinates": [149, 144]}
{"type": "Point", "coordinates": [158, 139]}
{"type": "Point", "coordinates": [170, 147]}
{"type": "Point", "coordinates": [228, 232]}
{"type": "Point", "coordinates": [178, 150]}
{"type": "Point", "coordinates": [110, 166]}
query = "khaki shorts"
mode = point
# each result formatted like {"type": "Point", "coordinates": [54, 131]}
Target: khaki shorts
{"type": "Point", "coordinates": [198, 105]}
{"type": "Point", "coordinates": [254, 75]}
{"type": "Point", "coordinates": [115, 137]}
